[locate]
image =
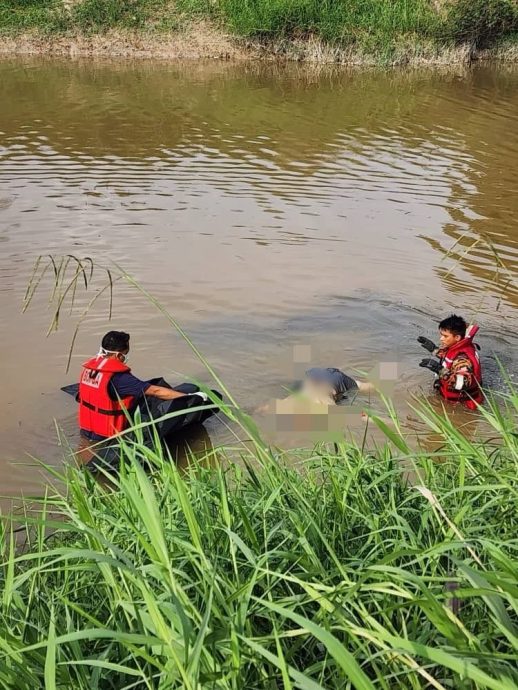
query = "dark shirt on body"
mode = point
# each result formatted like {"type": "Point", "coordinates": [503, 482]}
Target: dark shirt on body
{"type": "Point", "coordinates": [335, 378]}
{"type": "Point", "coordinates": [124, 383]}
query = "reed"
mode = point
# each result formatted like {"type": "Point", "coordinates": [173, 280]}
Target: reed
{"type": "Point", "coordinates": [260, 572]}
{"type": "Point", "coordinates": [254, 568]}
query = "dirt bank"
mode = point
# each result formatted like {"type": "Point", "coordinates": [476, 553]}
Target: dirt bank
{"type": "Point", "coordinates": [202, 40]}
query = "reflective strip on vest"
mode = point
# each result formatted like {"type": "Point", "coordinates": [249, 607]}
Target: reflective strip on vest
{"type": "Point", "coordinates": [470, 398]}
{"type": "Point", "coordinates": [98, 413]}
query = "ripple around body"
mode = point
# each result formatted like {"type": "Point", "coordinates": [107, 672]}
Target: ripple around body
{"type": "Point", "coordinates": [349, 211]}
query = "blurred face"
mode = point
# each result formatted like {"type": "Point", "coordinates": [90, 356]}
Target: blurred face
{"type": "Point", "coordinates": [319, 391]}
{"type": "Point", "coordinates": [447, 338]}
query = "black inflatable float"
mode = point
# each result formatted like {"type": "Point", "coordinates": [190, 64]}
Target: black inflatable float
{"type": "Point", "coordinates": [107, 453]}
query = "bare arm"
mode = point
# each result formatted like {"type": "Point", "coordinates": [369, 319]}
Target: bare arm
{"type": "Point", "coordinates": [164, 393]}
{"type": "Point", "coordinates": [365, 386]}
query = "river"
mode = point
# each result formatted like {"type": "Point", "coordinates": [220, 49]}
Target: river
{"type": "Point", "coordinates": [273, 210]}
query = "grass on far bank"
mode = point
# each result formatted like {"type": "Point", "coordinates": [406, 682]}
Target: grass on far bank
{"type": "Point", "coordinates": [372, 27]}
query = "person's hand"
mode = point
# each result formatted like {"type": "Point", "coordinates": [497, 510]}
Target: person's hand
{"type": "Point", "coordinates": [431, 364]}
{"type": "Point", "coordinates": [202, 395]}
{"type": "Point", "coordinates": [427, 343]}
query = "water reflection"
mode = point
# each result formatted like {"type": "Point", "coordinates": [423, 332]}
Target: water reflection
{"type": "Point", "coordinates": [121, 132]}
{"type": "Point", "coordinates": [192, 443]}
{"type": "Point", "coordinates": [263, 206]}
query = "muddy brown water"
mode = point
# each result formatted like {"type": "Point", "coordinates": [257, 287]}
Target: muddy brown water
{"type": "Point", "coordinates": [277, 212]}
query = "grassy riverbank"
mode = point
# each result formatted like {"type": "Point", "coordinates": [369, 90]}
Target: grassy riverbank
{"type": "Point", "coordinates": [321, 569]}
{"type": "Point", "coordinates": [388, 31]}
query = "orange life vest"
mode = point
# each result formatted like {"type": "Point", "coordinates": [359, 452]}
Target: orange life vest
{"type": "Point", "coordinates": [98, 413]}
{"type": "Point", "coordinates": [473, 396]}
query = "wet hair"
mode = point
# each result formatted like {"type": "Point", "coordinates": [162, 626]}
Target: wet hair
{"type": "Point", "coordinates": [116, 341]}
{"type": "Point", "coordinates": [454, 324]}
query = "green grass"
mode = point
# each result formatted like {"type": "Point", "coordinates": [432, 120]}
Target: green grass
{"type": "Point", "coordinates": [96, 16]}
{"type": "Point", "coordinates": [339, 22]}
{"type": "Point", "coordinates": [86, 17]}
{"type": "Point", "coordinates": [255, 569]}
{"type": "Point", "coordinates": [333, 573]}
{"type": "Point", "coordinates": [377, 27]}
{"type": "Point", "coordinates": [29, 15]}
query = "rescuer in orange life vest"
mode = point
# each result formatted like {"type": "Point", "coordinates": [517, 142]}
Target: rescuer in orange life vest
{"type": "Point", "coordinates": [108, 389]}
{"type": "Point", "coordinates": [459, 375]}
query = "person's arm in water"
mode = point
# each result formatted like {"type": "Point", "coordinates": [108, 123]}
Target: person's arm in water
{"type": "Point", "coordinates": [163, 393]}
{"type": "Point", "coordinates": [365, 386]}
{"type": "Point", "coordinates": [124, 384]}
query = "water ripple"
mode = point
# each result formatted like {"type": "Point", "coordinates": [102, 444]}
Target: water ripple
{"type": "Point", "coordinates": [243, 196]}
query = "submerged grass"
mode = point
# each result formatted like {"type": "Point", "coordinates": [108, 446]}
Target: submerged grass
{"type": "Point", "coordinates": [371, 27]}
{"type": "Point", "coordinates": [258, 574]}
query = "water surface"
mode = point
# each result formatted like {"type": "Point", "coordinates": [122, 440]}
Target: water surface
{"type": "Point", "coordinates": [266, 208]}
